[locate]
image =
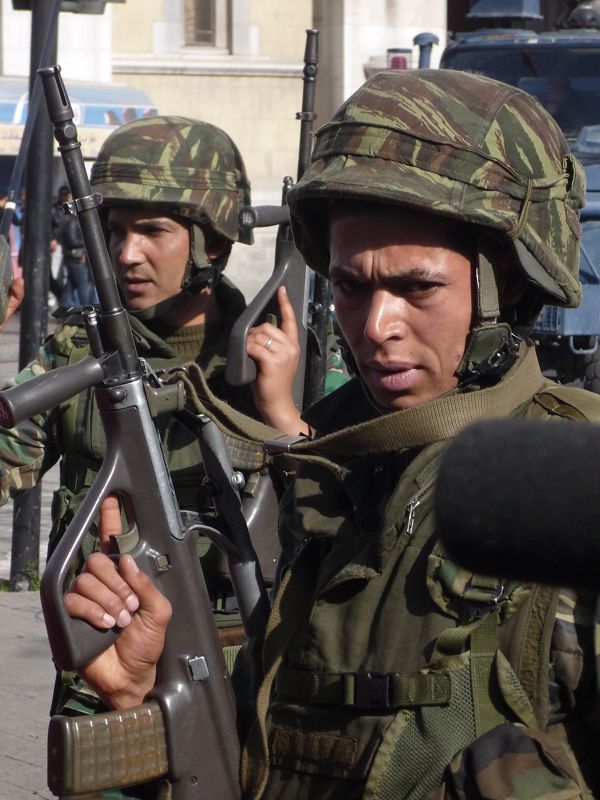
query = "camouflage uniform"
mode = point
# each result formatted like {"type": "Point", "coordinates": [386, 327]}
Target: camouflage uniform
{"type": "Point", "coordinates": [390, 672]}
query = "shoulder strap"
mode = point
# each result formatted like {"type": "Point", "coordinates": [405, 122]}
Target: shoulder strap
{"type": "Point", "coordinates": [567, 402]}
{"type": "Point", "coordinates": [418, 426]}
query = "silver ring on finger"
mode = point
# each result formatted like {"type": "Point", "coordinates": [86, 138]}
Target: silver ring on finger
{"type": "Point", "coordinates": [268, 343]}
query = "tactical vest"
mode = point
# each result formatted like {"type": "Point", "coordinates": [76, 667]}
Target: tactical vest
{"type": "Point", "coordinates": [390, 672]}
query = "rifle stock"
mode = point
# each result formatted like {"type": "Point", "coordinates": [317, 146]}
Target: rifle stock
{"type": "Point", "coordinates": [192, 701]}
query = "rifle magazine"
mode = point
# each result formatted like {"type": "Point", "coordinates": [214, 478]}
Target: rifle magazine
{"type": "Point", "coordinates": [96, 752]}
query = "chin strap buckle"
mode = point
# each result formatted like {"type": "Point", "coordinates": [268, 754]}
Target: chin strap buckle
{"type": "Point", "coordinates": [490, 354]}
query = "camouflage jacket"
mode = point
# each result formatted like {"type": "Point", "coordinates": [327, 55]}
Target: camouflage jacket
{"type": "Point", "coordinates": [391, 672]}
{"type": "Point", "coordinates": [72, 432]}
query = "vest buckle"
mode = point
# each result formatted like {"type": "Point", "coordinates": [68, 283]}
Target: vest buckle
{"type": "Point", "coordinates": [371, 690]}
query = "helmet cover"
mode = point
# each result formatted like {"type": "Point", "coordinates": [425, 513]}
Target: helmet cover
{"type": "Point", "coordinates": [189, 168]}
{"type": "Point", "coordinates": [460, 145]}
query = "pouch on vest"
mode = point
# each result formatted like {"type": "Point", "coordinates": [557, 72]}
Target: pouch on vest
{"type": "Point", "coordinates": [511, 761]}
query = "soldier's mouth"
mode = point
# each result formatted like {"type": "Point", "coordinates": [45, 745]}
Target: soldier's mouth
{"type": "Point", "coordinates": [398, 378]}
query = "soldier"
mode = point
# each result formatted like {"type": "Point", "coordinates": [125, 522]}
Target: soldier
{"type": "Point", "coordinates": [172, 190]}
{"type": "Point", "coordinates": [444, 208]}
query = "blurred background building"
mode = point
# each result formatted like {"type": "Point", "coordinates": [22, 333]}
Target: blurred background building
{"type": "Point", "coordinates": [235, 63]}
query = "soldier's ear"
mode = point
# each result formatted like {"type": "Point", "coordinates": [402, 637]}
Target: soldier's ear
{"type": "Point", "coordinates": [513, 291]}
{"type": "Point", "coordinates": [510, 278]}
{"type": "Point", "coordinates": [214, 244]}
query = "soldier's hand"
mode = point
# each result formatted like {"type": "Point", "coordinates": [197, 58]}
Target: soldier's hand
{"type": "Point", "coordinates": [105, 595]}
{"type": "Point", "coordinates": [276, 352]}
{"type": "Point", "coordinates": [15, 298]}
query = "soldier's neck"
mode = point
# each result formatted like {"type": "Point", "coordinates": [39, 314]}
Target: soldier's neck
{"type": "Point", "coordinates": [201, 309]}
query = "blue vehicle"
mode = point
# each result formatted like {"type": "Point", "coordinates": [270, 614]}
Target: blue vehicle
{"type": "Point", "coordinates": [562, 69]}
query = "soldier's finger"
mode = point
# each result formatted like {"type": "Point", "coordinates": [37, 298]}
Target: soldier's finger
{"type": "Point", "coordinates": [103, 581]}
{"type": "Point", "coordinates": [90, 598]}
{"type": "Point", "coordinates": [110, 523]}
{"type": "Point", "coordinates": [81, 607]}
{"type": "Point", "coordinates": [151, 600]}
{"type": "Point", "coordinates": [288, 318]}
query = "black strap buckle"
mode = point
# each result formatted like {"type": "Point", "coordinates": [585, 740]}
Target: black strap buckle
{"type": "Point", "coordinates": [371, 690]}
{"type": "Point", "coordinates": [480, 600]}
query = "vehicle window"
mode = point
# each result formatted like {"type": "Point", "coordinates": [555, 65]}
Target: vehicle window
{"type": "Point", "coordinates": [589, 268]}
{"type": "Point", "coordinates": [566, 80]}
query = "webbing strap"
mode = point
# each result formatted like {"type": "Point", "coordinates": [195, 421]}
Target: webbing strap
{"type": "Point", "coordinates": [290, 604]}
{"type": "Point", "coordinates": [365, 690]}
{"type": "Point", "coordinates": [480, 636]}
{"type": "Point", "coordinates": [417, 426]}
{"type": "Point", "coordinates": [484, 646]}
{"type": "Point", "coordinates": [488, 306]}
{"type": "Point", "coordinates": [244, 436]}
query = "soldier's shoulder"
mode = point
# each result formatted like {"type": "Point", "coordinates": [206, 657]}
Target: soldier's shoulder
{"type": "Point", "coordinates": [568, 402]}
{"type": "Point", "coordinates": [69, 332]}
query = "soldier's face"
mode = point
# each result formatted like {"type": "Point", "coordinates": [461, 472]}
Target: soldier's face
{"type": "Point", "coordinates": [149, 255]}
{"type": "Point", "coordinates": [403, 299]}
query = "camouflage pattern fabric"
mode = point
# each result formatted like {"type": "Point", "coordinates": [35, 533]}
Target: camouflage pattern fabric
{"type": "Point", "coordinates": [460, 145]}
{"type": "Point", "coordinates": [510, 761]}
{"type": "Point", "coordinates": [188, 167]}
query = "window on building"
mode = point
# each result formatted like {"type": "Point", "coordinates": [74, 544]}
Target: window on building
{"type": "Point", "coordinates": [206, 23]}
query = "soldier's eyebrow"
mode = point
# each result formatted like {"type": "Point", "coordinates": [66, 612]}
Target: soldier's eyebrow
{"type": "Point", "coordinates": [152, 222]}
{"type": "Point", "coordinates": [341, 272]}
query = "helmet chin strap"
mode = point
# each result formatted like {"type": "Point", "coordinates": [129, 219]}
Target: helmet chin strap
{"type": "Point", "coordinates": [200, 272]}
{"type": "Point", "coordinates": [492, 347]}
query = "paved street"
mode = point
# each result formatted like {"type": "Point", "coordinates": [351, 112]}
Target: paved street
{"type": "Point", "coordinates": [25, 665]}
{"type": "Point", "coordinates": [25, 691]}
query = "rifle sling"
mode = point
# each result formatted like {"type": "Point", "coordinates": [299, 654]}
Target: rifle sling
{"type": "Point", "coordinates": [418, 426]}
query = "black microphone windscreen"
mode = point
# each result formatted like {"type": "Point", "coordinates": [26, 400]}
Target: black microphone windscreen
{"type": "Point", "coordinates": [520, 499]}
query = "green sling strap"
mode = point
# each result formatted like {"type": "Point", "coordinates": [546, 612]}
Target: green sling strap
{"type": "Point", "coordinates": [287, 611]}
{"type": "Point", "coordinates": [418, 426]}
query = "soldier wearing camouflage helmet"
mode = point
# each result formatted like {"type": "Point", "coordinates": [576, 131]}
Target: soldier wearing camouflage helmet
{"type": "Point", "coordinates": [444, 208]}
{"type": "Point", "coordinates": [172, 191]}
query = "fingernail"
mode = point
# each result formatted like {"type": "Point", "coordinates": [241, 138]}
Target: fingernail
{"type": "Point", "coordinates": [108, 620]}
{"type": "Point", "coordinates": [132, 602]}
{"type": "Point", "coordinates": [124, 618]}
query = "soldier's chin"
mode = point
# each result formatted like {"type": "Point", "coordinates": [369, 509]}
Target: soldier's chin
{"type": "Point", "coordinates": [137, 303]}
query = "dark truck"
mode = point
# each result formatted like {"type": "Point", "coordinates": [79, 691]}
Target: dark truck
{"type": "Point", "coordinates": [562, 69]}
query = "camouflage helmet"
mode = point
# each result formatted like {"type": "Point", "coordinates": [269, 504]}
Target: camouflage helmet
{"type": "Point", "coordinates": [460, 145]}
{"type": "Point", "coordinates": [187, 167]}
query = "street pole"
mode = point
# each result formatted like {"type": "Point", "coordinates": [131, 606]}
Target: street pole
{"type": "Point", "coordinates": [36, 272]}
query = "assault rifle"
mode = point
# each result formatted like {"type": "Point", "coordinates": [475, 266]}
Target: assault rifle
{"type": "Point", "coordinates": [308, 298]}
{"type": "Point", "coordinates": [187, 729]}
